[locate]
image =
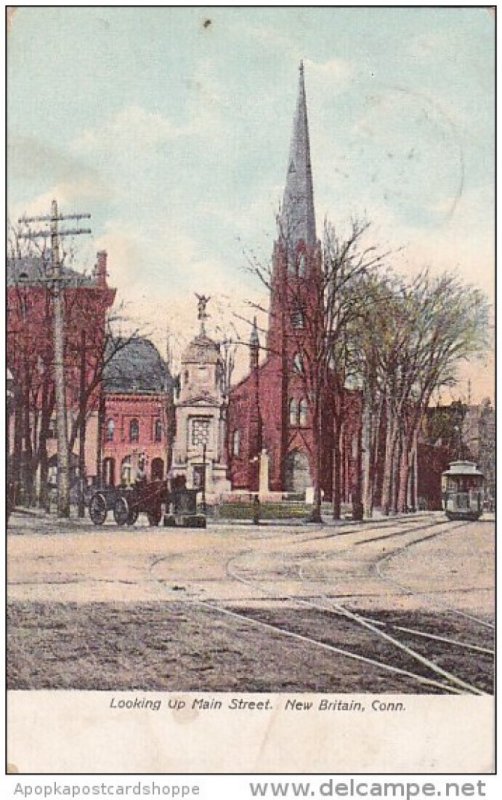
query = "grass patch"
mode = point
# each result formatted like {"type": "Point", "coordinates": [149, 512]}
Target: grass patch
{"type": "Point", "coordinates": [286, 510]}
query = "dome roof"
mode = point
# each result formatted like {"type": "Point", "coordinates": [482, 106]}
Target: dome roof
{"type": "Point", "coordinates": [137, 368]}
{"type": "Point", "coordinates": [201, 350]}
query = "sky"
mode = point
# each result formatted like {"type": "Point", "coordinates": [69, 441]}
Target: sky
{"type": "Point", "coordinates": [171, 126]}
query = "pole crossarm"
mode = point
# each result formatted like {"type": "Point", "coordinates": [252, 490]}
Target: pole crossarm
{"type": "Point", "coordinates": [49, 218]}
{"type": "Point", "coordinates": [47, 233]}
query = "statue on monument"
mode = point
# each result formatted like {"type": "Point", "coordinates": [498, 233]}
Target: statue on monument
{"type": "Point", "coordinates": [202, 314]}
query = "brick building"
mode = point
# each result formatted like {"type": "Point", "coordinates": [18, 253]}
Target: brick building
{"type": "Point", "coordinates": [30, 357]}
{"type": "Point", "coordinates": [137, 417]}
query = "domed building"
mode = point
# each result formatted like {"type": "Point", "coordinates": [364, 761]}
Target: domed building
{"type": "Point", "coordinates": [137, 418]}
{"type": "Point", "coordinates": [201, 410]}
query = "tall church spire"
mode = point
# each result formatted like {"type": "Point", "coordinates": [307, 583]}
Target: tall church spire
{"type": "Point", "coordinates": [297, 216]}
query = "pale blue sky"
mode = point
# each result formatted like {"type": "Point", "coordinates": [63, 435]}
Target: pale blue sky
{"type": "Point", "coordinates": [175, 136]}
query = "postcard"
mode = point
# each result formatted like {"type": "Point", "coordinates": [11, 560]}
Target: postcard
{"type": "Point", "coordinates": [250, 390]}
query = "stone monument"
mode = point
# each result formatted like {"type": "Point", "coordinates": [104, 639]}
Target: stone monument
{"type": "Point", "coordinates": [199, 454]}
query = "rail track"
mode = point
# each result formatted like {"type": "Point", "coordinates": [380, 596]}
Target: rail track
{"type": "Point", "coordinates": [431, 675]}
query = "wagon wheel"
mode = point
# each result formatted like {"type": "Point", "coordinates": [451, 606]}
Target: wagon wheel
{"type": "Point", "coordinates": [121, 511]}
{"type": "Point", "coordinates": [133, 516]}
{"type": "Point", "coordinates": [154, 516]}
{"type": "Point", "coordinates": [97, 508]}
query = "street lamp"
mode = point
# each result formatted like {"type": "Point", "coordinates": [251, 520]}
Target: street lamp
{"type": "Point", "coordinates": [204, 478]}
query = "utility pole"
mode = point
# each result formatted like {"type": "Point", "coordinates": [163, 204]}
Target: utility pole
{"type": "Point", "coordinates": [56, 281]}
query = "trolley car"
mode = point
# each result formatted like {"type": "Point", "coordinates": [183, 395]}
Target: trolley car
{"type": "Point", "coordinates": [462, 491]}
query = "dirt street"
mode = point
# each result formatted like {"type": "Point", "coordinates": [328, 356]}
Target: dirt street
{"type": "Point", "coordinates": [250, 608]}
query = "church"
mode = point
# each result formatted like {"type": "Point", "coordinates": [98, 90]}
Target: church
{"type": "Point", "coordinates": [270, 441]}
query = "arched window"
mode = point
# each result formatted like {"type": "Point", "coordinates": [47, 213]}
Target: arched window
{"type": "Point", "coordinates": [236, 443]}
{"type": "Point", "coordinates": [110, 430]}
{"type": "Point", "coordinates": [298, 318]}
{"type": "Point", "coordinates": [134, 430]}
{"type": "Point", "coordinates": [302, 264]}
{"type": "Point", "coordinates": [303, 408]}
{"type": "Point", "coordinates": [157, 431]}
{"type": "Point", "coordinates": [293, 412]}
{"type": "Point", "coordinates": [298, 363]}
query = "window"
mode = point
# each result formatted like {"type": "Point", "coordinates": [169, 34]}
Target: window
{"type": "Point", "coordinates": [302, 264]}
{"type": "Point", "coordinates": [134, 430]}
{"type": "Point", "coordinates": [303, 408]}
{"type": "Point", "coordinates": [293, 412]}
{"type": "Point", "coordinates": [298, 363]}
{"type": "Point", "coordinates": [236, 443]}
{"type": "Point", "coordinates": [200, 431]}
{"type": "Point", "coordinates": [157, 431]}
{"type": "Point", "coordinates": [298, 318]}
{"type": "Point", "coordinates": [110, 430]}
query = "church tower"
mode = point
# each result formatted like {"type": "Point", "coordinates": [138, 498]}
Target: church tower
{"type": "Point", "coordinates": [296, 256]}
{"type": "Point", "coordinates": [269, 414]}
{"type": "Point", "coordinates": [295, 303]}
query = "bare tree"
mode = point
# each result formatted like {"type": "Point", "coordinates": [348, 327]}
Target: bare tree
{"type": "Point", "coordinates": [415, 335]}
{"type": "Point", "coordinates": [322, 301]}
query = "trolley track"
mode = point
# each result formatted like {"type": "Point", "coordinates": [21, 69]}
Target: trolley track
{"type": "Point", "coordinates": [454, 683]}
{"type": "Point", "coordinates": [429, 674]}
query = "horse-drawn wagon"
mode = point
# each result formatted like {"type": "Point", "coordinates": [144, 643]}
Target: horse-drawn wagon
{"type": "Point", "coordinates": [127, 502]}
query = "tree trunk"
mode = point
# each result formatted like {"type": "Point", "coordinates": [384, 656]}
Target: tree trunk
{"type": "Point", "coordinates": [357, 502]}
{"type": "Point", "coordinates": [17, 451]}
{"type": "Point", "coordinates": [316, 515]}
{"type": "Point", "coordinates": [388, 469]}
{"type": "Point", "coordinates": [101, 428]}
{"type": "Point", "coordinates": [404, 474]}
{"type": "Point", "coordinates": [337, 471]}
{"type": "Point", "coordinates": [47, 409]}
{"type": "Point", "coordinates": [399, 454]}
{"type": "Point", "coordinates": [27, 469]}
{"type": "Point", "coordinates": [367, 456]}
{"type": "Point", "coordinates": [82, 428]}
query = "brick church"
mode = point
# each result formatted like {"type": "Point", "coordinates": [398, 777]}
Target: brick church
{"type": "Point", "coordinates": [270, 443]}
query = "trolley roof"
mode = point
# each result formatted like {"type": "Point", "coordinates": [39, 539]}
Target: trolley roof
{"type": "Point", "coordinates": [463, 468]}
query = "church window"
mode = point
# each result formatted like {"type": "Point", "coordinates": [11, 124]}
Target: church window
{"type": "Point", "coordinates": [302, 413]}
{"type": "Point", "coordinates": [134, 430]}
{"type": "Point", "coordinates": [298, 363]}
{"type": "Point", "coordinates": [186, 376]}
{"type": "Point", "coordinates": [110, 430]}
{"type": "Point", "coordinates": [302, 264]}
{"type": "Point", "coordinates": [200, 431]}
{"type": "Point", "coordinates": [157, 431]}
{"type": "Point", "coordinates": [298, 318]}
{"type": "Point", "coordinates": [236, 443]}
{"type": "Point", "coordinates": [293, 412]}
